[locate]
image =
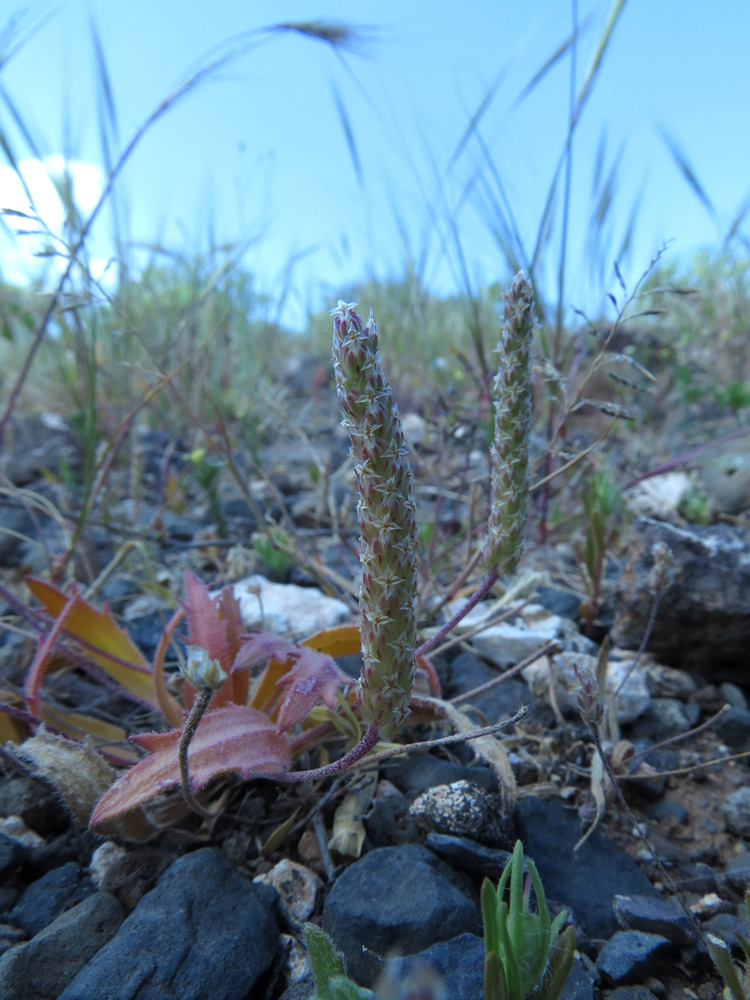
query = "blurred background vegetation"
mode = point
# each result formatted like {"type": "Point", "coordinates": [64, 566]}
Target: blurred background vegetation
{"type": "Point", "coordinates": [188, 343]}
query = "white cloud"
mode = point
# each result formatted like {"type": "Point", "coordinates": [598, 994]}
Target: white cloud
{"type": "Point", "coordinates": [18, 262]}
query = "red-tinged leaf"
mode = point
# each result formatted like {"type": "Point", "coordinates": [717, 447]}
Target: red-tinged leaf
{"type": "Point", "coordinates": [344, 640]}
{"type": "Point", "coordinates": [238, 684]}
{"type": "Point", "coordinates": [266, 692]}
{"type": "Point", "coordinates": [215, 624]}
{"type": "Point", "coordinates": [233, 739]}
{"type": "Point", "coordinates": [106, 644]}
{"type": "Point", "coordinates": [170, 707]}
{"type": "Point", "coordinates": [313, 678]}
{"type": "Point", "coordinates": [205, 626]}
{"type": "Point", "coordinates": [110, 740]}
{"type": "Point", "coordinates": [37, 669]}
{"type": "Point", "coordinates": [261, 646]}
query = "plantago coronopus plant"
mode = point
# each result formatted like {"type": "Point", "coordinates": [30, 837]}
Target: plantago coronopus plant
{"type": "Point", "coordinates": [226, 721]}
{"type": "Point", "coordinates": [386, 520]}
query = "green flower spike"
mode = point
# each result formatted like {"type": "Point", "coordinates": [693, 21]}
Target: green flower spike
{"type": "Point", "coordinates": [387, 523]}
{"type": "Point", "coordinates": [509, 493]}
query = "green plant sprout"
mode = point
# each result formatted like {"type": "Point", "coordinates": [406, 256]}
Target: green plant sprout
{"type": "Point", "coordinates": [526, 957]}
{"type": "Point", "coordinates": [273, 549]}
{"type": "Point", "coordinates": [329, 968]}
{"type": "Point", "coordinates": [602, 502]}
{"type": "Point", "coordinates": [207, 473]}
{"type": "Point", "coordinates": [736, 978]}
{"type": "Point", "coordinates": [523, 957]}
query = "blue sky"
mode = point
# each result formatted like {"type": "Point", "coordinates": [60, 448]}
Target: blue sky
{"type": "Point", "coordinates": [259, 152]}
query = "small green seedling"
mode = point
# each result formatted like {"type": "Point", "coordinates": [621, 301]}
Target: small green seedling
{"type": "Point", "coordinates": [522, 956]}
{"type": "Point", "coordinates": [207, 473]}
{"type": "Point", "coordinates": [736, 978]}
{"type": "Point", "coordinates": [273, 549]}
{"type": "Point", "coordinates": [329, 968]}
{"type": "Point", "coordinates": [602, 503]}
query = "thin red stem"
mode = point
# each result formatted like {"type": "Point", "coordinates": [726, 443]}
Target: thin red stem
{"type": "Point", "coordinates": [368, 741]}
{"type": "Point", "coordinates": [484, 588]}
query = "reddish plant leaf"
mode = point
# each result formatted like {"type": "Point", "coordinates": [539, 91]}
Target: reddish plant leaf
{"type": "Point", "coordinates": [238, 684]}
{"type": "Point", "coordinates": [215, 624]}
{"type": "Point", "coordinates": [313, 678]}
{"type": "Point", "coordinates": [205, 627]}
{"type": "Point", "coordinates": [265, 691]}
{"type": "Point", "coordinates": [106, 644]}
{"type": "Point", "coordinates": [258, 647]}
{"type": "Point", "coordinates": [170, 707]}
{"type": "Point", "coordinates": [233, 739]}
{"type": "Point", "coordinates": [37, 669]}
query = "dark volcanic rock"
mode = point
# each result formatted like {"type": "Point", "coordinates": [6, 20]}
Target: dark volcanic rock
{"type": "Point", "coordinates": [586, 880]}
{"type": "Point", "coordinates": [630, 956]}
{"type": "Point", "coordinates": [49, 896]}
{"type": "Point", "coordinates": [203, 931]}
{"type": "Point", "coordinates": [457, 965]}
{"type": "Point", "coordinates": [41, 968]}
{"type": "Point", "coordinates": [499, 702]}
{"type": "Point", "coordinates": [11, 854]}
{"type": "Point", "coordinates": [655, 916]}
{"type": "Point", "coordinates": [424, 771]}
{"type": "Point", "coordinates": [396, 898]}
{"type": "Point", "coordinates": [704, 614]}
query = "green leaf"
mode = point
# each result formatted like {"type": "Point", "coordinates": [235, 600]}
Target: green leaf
{"type": "Point", "coordinates": [510, 957]}
{"type": "Point", "coordinates": [722, 959]}
{"type": "Point", "coordinates": [494, 978]}
{"type": "Point", "coordinates": [327, 963]}
{"type": "Point", "coordinates": [516, 895]}
{"type": "Point", "coordinates": [541, 902]}
{"type": "Point", "coordinates": [489, 917]}
{"type": "Point", "coordinates": [563, 956]}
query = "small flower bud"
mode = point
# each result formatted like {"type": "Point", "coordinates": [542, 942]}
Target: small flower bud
{"type": "Point", "coordinates": [590, 703]}
{"type": "Point", "coordinates": [201, 671]}
{"type": "Point", "coordinates": [661, 575]}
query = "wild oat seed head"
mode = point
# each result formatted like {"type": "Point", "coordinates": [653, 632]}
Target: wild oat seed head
{"type": "Point", "coordinates": [509, 485]}
{"type": "Point", "coordinates": [386, 521]}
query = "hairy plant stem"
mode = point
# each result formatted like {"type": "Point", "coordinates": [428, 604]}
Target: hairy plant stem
{"type": "Point", "coordinates": [202, 699]}
{"type": "Point", "coordinates": [368, 741]}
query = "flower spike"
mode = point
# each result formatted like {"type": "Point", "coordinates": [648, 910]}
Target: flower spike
{"type": "Point", "coordinates": [509, 490]}
{"type": "Point", "coordinates": [386, 520]}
